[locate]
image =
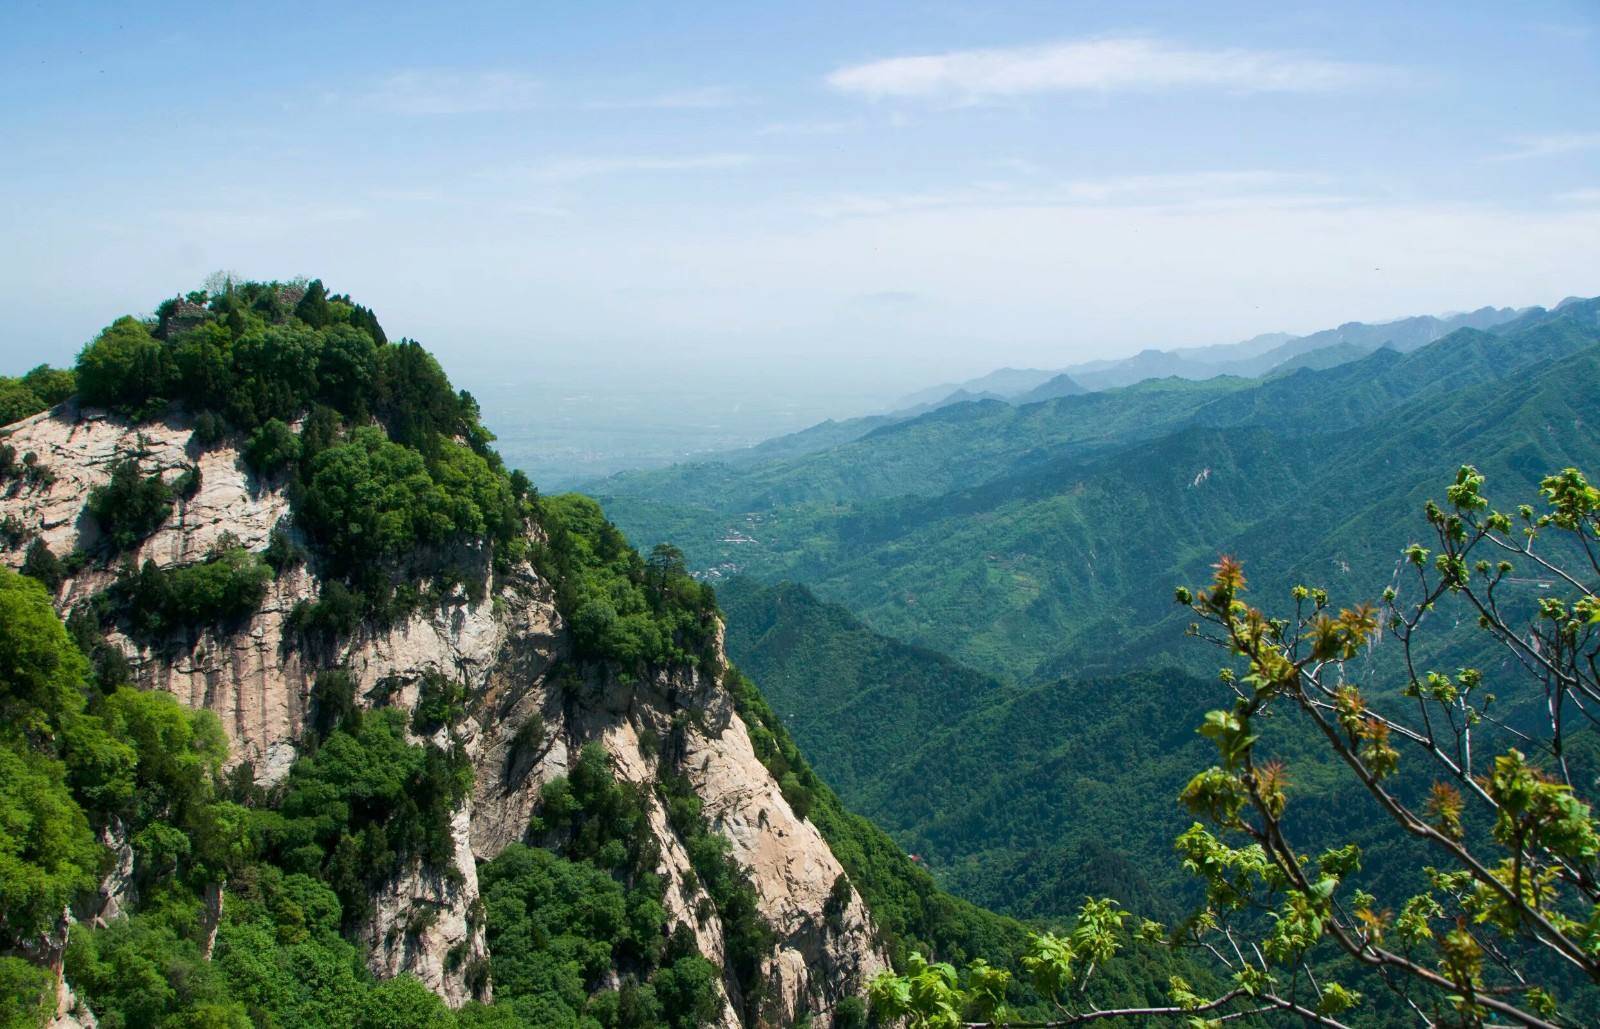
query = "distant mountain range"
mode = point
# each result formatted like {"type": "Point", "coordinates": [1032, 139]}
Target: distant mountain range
{"type": "Point", "coordinates": [1266, 354]}
{"type": "Point", "coordinates": [1255, 356]}
{"type": "Point", "coordinates": [966, 617]}
{"type": "Point", "coordinates": [1026, 540]}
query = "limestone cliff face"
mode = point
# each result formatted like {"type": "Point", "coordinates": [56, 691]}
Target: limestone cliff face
{"type": "Point", "coordinates": [506, 648]}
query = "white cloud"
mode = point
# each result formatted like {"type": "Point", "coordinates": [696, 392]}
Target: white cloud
{"type": "Point", "coordinates": [1580, 196]}
{"type": "Point", "coordinates": [1551, 145]}
{"type": "Point", "coordinates": [422, 91]}
{"type": "Point", "coordinates": [1102, 65]}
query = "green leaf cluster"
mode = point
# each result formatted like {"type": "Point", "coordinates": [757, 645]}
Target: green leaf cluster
{"type": "Point", "coordinates": [151, 602]}
{"type": "Point", "coordinates": [131, 505]}
{"type": "Point", "coordinates": [41, 388]}
{"type": "Point", "coordinates": [620, 607]}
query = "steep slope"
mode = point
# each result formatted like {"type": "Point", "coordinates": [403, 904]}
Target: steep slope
{"type": "Point", "coordinates": [504, 648]}
{"type": "Point", "coordinates": [1022, 800]}
{"type": "Point", "coordinates": [855, 700]}
{"type": "Point", "coordinates": [494, 673]}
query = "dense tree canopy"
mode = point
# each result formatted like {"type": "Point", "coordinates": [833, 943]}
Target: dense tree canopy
{"type": "Point", "coordinates": [622, 608]}
{"type": "Point", "coordinates": [1491, 777]}
{"type": "Point", "coordinates": [131, 506]}
{"type": "Point", "coordinates": [396, 498]}
{"type": "Point", "coordinates": [40, 388]}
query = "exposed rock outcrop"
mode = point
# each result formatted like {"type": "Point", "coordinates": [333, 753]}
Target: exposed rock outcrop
{"type": "Point", "coordinates": [531, 709]}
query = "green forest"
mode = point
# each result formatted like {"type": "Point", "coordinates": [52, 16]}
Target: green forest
{"type": "Point", "coordinates": [1022, 540]}
{"type": "Point", "coordinates": [397, 498]}
{"type": "Point", "coordinates": [979, 587]}
{"type": "Point", "coordinates": [974, 683]}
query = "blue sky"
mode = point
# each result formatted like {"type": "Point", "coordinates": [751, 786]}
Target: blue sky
{"type": "Point", "coordinates": [854, 197]}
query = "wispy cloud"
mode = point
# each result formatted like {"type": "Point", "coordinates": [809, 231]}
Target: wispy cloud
{"type": "Point", "coordinates": [1526, 148]}
{"type": "Point", "coordinates": [1580, 196]}
{"type": "Point", "coordinates": [424, 92]}
{"type": "Point", "coordinates": [1102, 65]}
{"type": "Point", "coordinates": [571, 169]}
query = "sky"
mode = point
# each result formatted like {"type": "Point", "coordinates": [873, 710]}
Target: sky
{"type": "Point", "coordinates": [833, 202]}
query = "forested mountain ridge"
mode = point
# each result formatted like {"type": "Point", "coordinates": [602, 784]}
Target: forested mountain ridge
{"type": "Point", "coordinates": [1026, 796]}
{"type": "Point", "coordinates": [1258, 355]}
{"type": "Point", "coordinates": [1013, 537]}
{"type": "Point", "coordinates": [315, 714]}
{"type": "Point", "coordinates": [1030, 829]}
{"type": "Point", "coordinates": [419, 704]}
{"type": "Point", "coordinates": [1269, 353]}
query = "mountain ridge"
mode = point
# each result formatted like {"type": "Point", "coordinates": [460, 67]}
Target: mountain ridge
{"type": "Point", "coordinates": [994, 496]}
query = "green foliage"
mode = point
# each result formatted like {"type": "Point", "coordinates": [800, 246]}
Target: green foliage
{"type": "Point", "coordinates": [336, 612]}
{"type": "Point", "coordinates": [47, 852]}
{"type": "Point", "coordinates": [137, 757]}
{"type": "Point", "coordinates": [557, 926]}
{"type": "Point", "coordinates": [278, 960]}
{"type": "Point", "coordinates": [272, 448]}
{"type": "Point", "coordinates": [40, 562]}
{"type": "Point", "coordinates": [1498, 804]}
{"type": "Point", "coordinates": [619, 607]}
{"type": "Point", "coordinates": [1028, 831]}
{"type": "Point", "coordinates": [599, 818]}
{"type": "Point", "coordinates": [130, 506]}
{"type": "Point", "coordinates": [747, 938]}
{"type": "Point", "coordinates": [149, 968]}
{"type": "Point", "coordinates": [362, 805]}
{"type": "Point", "coordinates": [41, 672]}
{"type": "Point", "coordinates": [181, 827]}
{"type": "Point", "coordinates": [829, 674]}
{"type": "Point", "coordinates": [391, 477]}
{"type": "Point", "coordinates": [51, 385]}
{"type": "Point", "coordinates": [125, 369]}
{"type": "Point", "coordinates": [558, 923]}
{"type": "Point", "coordinates": [17, 401]}
{"type": "Point", "coordinates": [313, 308]}
{"type": "Point", "coordinates": [26, 472]}
{"type": "Point", "coordinates": [243, 354]}
{"type": "Point", "coordinates": [27, 994]}
{"type": "Point", "coordinates": [369, 504]}
{"type": "Point", "coordinates": [152, 602]}
{"type": "Point", "coordinates": [1038, 540]}
{"type": "Point", "coordinates": [333, 703]}
{"type": "Point", "coordinates": [911, 911]}
{"type": "Point", "coordinates": [41, 388]}
{"type": "Point", "coordinates": [933, 995]}
{"type": "Point", "coordinates": [441, 702]}
{"type": "Point", "coordinates": [72, 758]}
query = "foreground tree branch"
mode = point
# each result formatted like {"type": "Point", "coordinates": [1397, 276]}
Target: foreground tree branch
{"type": "Point", "coordinates": [1507, 928]}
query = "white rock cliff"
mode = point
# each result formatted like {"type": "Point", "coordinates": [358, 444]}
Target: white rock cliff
{"type": "Point", "coordinates": [504, 647]}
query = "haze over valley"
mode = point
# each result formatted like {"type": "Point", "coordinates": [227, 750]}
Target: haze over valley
{"type": "Point", "coordinates": [834, 516]}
